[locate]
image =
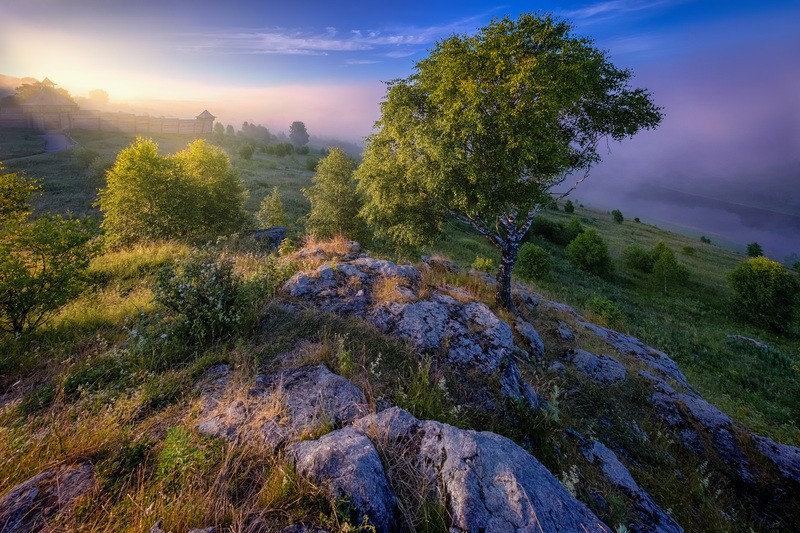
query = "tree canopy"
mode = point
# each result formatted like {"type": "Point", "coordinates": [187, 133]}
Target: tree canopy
{"type": "Point", "coordinates": [487, 125]}
{"type": "Point", "coordinates": [298, 134]}
{"type": "Point", "coordinates": [334, 200]}
{"type": "Point", "coordinates": [194, 194]}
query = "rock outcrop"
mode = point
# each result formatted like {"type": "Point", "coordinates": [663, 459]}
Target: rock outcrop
{"type": "Point", "coordinates": [31, 505]}
{"type": "Point", "coordinates": [601, 368]}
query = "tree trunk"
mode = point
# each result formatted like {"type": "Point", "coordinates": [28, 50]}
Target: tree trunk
{"type": "Point", "coordinates": [503, 289]}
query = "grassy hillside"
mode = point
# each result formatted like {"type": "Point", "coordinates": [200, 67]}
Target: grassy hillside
{"type": "Point", "coordinates": [107, 380]}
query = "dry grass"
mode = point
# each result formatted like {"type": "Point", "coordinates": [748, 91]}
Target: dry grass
{"type": "Point", "coordinates": [388, 289]}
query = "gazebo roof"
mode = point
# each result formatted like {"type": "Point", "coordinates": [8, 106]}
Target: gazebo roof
{"type": "Point", "coordinates": [206, 115]}
{"type": "Point", "coordinates": [47, 82]}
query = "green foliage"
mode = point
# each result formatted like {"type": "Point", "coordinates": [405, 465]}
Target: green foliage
{"type": "Point", "coordinates": [589, 252]}
{"type": "Point", "coordinates": [765, 293]}
{"type": "Point", "coordinates": [533, 262]}
{"type": "Point", "coordinates": [638, 258]}
{"type": "Point", "coordinates": [754, 250]}
{"type": "Point", "coordinates": [617, 215]}
{"type": "Point", "coordinates": [335, 203]}
{"type": "Point", "coordinates": [705, 239]}
{"type": "Point", "coordinates": [15, 197]}
{"type": "Point", "coordinates": [246, 151]}
{"type": "Point", "coordinates": [610, 313]}
{"type": "Point", "coordinates": [85, 156]}
{"type": "Point", "coordinates": [667, 272]}
{"type": "Point", "coordinates": [484, 264]}
{"type": "Point", "coordinates": [298, 134]}
{"type": "Point", "coordinates": [194, 194]}
{"type": "Point", "coordinates": [569, 207]}
{"type": "Point", "coordinates": [42, 267]}
{"type": "Point", "coordinates": [689, 250]}
{"type": "Point", "coordinates": [271, 214]}
{"type": "Point", "coordinates": [454, 138]}
{"type": "Point", "coordinates": [181, 456]}
{"type": "Point", "coordinates": [205, 295]}
{"type": "Point", "coordinates": [303, 150]}
{"type": "Point", "coordinates": [556, 232]}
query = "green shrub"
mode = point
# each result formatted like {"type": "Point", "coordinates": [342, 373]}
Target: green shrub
{"type": "Point", "coordinates": [180, 457]}
{"type": "Point", "coordinates": [705, 239]}
{"type": "Point", "coordinates": [589, 252]}
{"type": "Point", "coordinates": [610, 313]}
{"type": "Point", "coordinates": [638, 258]}
{"type": "Point", "coordinates": [484, 264]}
{"type": "Point", "coordinates": [754, 250]}
{"type": "Point", "coordinates": [271, 213]}
{"type": "Point", "coordinates": [689, 250]}
{"type": "Point", "coordinates": [556, 232]}
{"type": "Point", "coordinates": [533, 262]}
{"type": "Point", "coordinates": [667, 272]}
{"type": "Point", "coordinates": [765, 293]}
{"type": "Point", "coordinates": [569, 207]}
{"type": "Point", "coordinates": [617, 214]}
{"type": "Point", "coordinates": [246, 151]}
{"type": "Point", "coordinates": [85, 156]}
{"type": "Point", "coordinates": [205, 295]}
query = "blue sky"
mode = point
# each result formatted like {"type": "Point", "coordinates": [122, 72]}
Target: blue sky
{"type": "Point", "coordinates": [726, 72]}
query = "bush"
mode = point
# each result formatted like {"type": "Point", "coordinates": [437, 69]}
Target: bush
{"type": "Point", "coordinates": [609, 312]}
{"type": "Point", "coordinates": [271, 212]}
{"type": "Point", "coordinates": [484, 264]}
{"type": "Point", "coordinates": [638, 258]}
{"type": "Point", "coordinates": [556, 232]}
{"type": "Point", "coordinates": [533, 262]}
{"type": "Point", "coordinates": [85, 156]}
{"type": "Point", "coordinates": [194, 194]}
{"type": "Point", "coordinates": [569, 207]}
{"type": "Point", "coordinates": [246, 151]}
{"type": "Point", "coordinates": [689, 250]}
{"type": "Point", "coordinates": [617, 214]}
{"type": "Point", "coordinates": [205, 295]}
{"type": "Point", "coordinates": [667, 272]}
{"type": "Point", "coordinates": [589, 252]}
{"type": "Point", "coordinates": [765, 293]}
{"type": "Point", "coordinates": [754, 250]}
{"type": "Point", "coordinates": [705, 239]}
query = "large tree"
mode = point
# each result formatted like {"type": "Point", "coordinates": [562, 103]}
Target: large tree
{"type": "Point", "coordinates": [487, 125]}
{"type": "Point", "coordinates": [298, 134]}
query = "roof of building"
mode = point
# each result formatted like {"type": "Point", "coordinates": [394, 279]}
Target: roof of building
{"type": "Point", "coordinates": [48, 83]}
{"type": "Point", "coordinates": [49, 97]}
{"type": "Point", "coordinates": [206, 114]}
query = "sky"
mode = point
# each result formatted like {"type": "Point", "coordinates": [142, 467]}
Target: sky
{"type": "Point", "coordinates": [725, 72]}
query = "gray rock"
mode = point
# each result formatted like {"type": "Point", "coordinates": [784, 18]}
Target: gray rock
{"type": "Point", "coordinates": [531, 336]}
{"type": "Point", "coordinates": [598, 367]}
{"type": "Point", "coordinates": [513, 385]}
{"type": "Point", "coordinates": [653, 358]}
{"type": "Point", "coordinates": [29, 506]}
{"type": "Point", "coordinates": [283, 407]}
{"type": "Point", "coordinates": [347, 465]}
{"type": "Point", "coordinates": [748, 340]}
{"type": "Point", "coordinates": [650, 517]}
{"type": "Point", "coordinates": [564, 331]}
{"type": "Point", "coordinates": [486, 481]}
{"type": "Point", "coordinates": [273, 237]}
{"type": "Point", "coordinates": [437, 262]}
{"type": "Point", "coordinates": [557, 367]}
{"type": "Point", "coordinates": [786, 458]}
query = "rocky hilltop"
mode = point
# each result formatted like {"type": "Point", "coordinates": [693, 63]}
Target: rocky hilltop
{"type": "Point", "coordinates": [555, 423]}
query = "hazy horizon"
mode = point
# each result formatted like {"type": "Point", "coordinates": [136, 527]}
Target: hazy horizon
{"type": "Point", "coordinates": [727, 75]}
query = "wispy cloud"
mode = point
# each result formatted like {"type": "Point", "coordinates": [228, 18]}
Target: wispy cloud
{"type": "Point", "coordinates": [391, 42]}
{"type": "Point", "coordinates": [613, 8]}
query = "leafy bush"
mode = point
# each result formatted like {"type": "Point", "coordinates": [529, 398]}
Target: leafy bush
{"type": "Point", "coordinates": [246, 151]}
{"type": "Point", "coordinates": [85, 156]}
{"type": "Point", "coordinates": [638, 258]}
{"type": "Point", "coordinates": [617, 214]}
{"type": "Point", "coordinates": [689, 250]}
{"type": "Point", "coordinates": [569, 207]}
{"type": "Point", "coordinates": [754, 250]}
{"type": "Point", "coordinates": [705, 239]}
{"type": "Point", "coordinates": [556, 232]}
{"type": "Point", "coordinates": [484, 264]}
{"type": "Point", "coordinates": [206, 296]}
{"type": "Point", "coordinates": [180, 457]}
{"type": "Point", "coordinates": [335, 203]}
{"type": "Point", "coordinates": [194, 194]}
{"type": "Point", "coordinates": [667, 272]}
{"type": "Point", "coordinates": [271, 212]}
{"type": "Point", "coordinates": [589, 252]}
{"type": "Point", "coordinates": [765, 293]}
{"type": "Point", "coordinates": [607, 310]}
{"type": "Point", "coordinates": [533, 262]}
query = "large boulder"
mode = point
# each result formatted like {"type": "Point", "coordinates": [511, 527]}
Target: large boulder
{"type": "Point", "coordinates": [31, 505]}
{"type": "Point", "coordinates": [486, 481]}
{"type": "Point", "coordinates": [650, 517]}
{"type": "Point", "coordinates": [601, 368]}
{"type": "Point", "coordinates": [346, 465]}
{"type": "Point", "coordinates": [283, 407]}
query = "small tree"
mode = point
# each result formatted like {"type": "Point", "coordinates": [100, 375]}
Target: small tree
{"type": "Point", "coordinates": [589, 252]}
{"type": "Point", "coordinates": [569, 207]}
{"type": "Point", "coordinates": [194, 194]}
{"type": "Point", "coordinates": [246, 151]}
{"type": "Point", "coordinates": [765, 293]}
{"type": "Point", "coordinates": [229, 130]}
{"type": "Point", "coordinates": [271, 214]}
{"type": "Point", "coordinates": [15, 196]}
{"type": "Point", "coordinates": [219, 133]}
{"type": "Point", "coordinates": [617, 214]}
{"type": "Point", "coordinates": [533, 262]}
{"type": "Point", "coordinates": [335, 202]}
{"type": "Point", "coordinates": [667, 272]}
{"type": "Point", "coordinates": [484, 128]}
{"type": "Point", "coordinates": [754, 250]}
{"type": "Point", "coordinates": [298, 134]}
